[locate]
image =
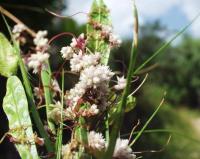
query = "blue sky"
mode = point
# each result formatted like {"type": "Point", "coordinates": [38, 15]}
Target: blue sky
{"type": "Point", "coordinates": [173, 13]}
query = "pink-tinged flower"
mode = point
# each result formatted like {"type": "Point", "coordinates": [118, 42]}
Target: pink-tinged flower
{"type": "Point", "coordinates": [79, 42]}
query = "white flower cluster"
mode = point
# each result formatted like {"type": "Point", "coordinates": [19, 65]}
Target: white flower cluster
{"type": "Point", "coordinates": [121, 83]}
{"type": "Point", "coordinates": [35, 61]}
{"type": "Point", "coordinates": [77, 46]}
{"type": "Point", "coordinates": [96, 141]}
{"type": "Point", "coordinates": [40, 41]}
{"type": "Point", "coordinates": [94, 77]}
{"type": "Point", "coordinates": [67, 52]}
{"type": "Point", "coordinates": [91, 77]}
{"type": "Point", "coordinates": [17, 30]}
{"type": "Point", "coordinates": [80, 61]}
{"type": "Point", "coordinates": [122, 150]}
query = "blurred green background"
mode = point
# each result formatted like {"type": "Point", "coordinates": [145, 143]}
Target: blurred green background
{"type": "Point", "coordinates": [175, 71]}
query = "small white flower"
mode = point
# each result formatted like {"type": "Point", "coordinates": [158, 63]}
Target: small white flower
{"type": "Point", "coordinates": [67, 52]}
{"type": "Point", "coordinates": [18, 28]}
{"type": "Point", "coordinates": [76, 93]}
{"type": "Point", "coordinates": [96, 141]}
{"type": "Point", "coordinates": [121, 83]}
{"type": "Point", "coordinates": [40, 41]}
{"type": "Point", "coordinates": [91, 59]}
{"type": "Point", "coordinates": [36, 60]}
{"type": "Point", "coordinates": [122, 150]}
{"type": "Point", "coordinates": [76, 62]}
{"type": "Point", "coordinates": [93, 109]}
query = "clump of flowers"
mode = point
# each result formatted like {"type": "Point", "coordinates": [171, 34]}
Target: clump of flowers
{"type": "Point", "coordinates": [17, 30]}
{"type": "Point", "coordinates": [37, 61]}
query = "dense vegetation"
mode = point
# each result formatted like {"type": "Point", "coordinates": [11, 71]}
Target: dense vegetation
{"type": "Point", "coordinates": [174, 71]}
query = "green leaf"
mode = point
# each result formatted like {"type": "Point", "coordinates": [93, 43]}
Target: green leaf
{"type": "Point", "coordinates": [16, 108]}
{"type": "Point", "coordinates": [99, 14]}
{"type": "Point", "coordinates": [8, 58]}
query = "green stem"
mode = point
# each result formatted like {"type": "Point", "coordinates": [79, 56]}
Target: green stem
{"type": "Point", "coordinates": [122, 106]}
{"type": "Point", "coordinates": [60, 131]}
{"type": "Point", "coordinates": [107, 128]}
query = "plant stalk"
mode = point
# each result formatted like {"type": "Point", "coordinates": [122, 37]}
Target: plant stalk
{"type": "Point", "coordinates": [121, 109]}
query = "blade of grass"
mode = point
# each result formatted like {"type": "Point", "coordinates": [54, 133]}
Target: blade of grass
{"type": "Point", "coordinates": [121, 108]}
{"type": "Point", "coordinates": [148, 121]}
{"type": "Point", "coordinates": [165, 131]}
{"type": "Point", "coordinates": [27, 85]}
{"type": "Point", "coordinates": [162, 48]}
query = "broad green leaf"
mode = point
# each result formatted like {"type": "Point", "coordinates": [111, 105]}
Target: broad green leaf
{"type": "Point", "coordinates": [99, 14]}
{"type": "Point", "coordinates": [8, 58]}
{"type": "Point", "coordinates": [16, 108]}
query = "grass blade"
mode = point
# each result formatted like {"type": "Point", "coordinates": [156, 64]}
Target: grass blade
{"type": "Point", "coordinates": [147, 123]}
{"type": "Point", "coordinates": [60, 130]}
{"type": "Point", "coordinates": [122, 106]}
{"type": "Point", "coordinates": [166, 44]}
